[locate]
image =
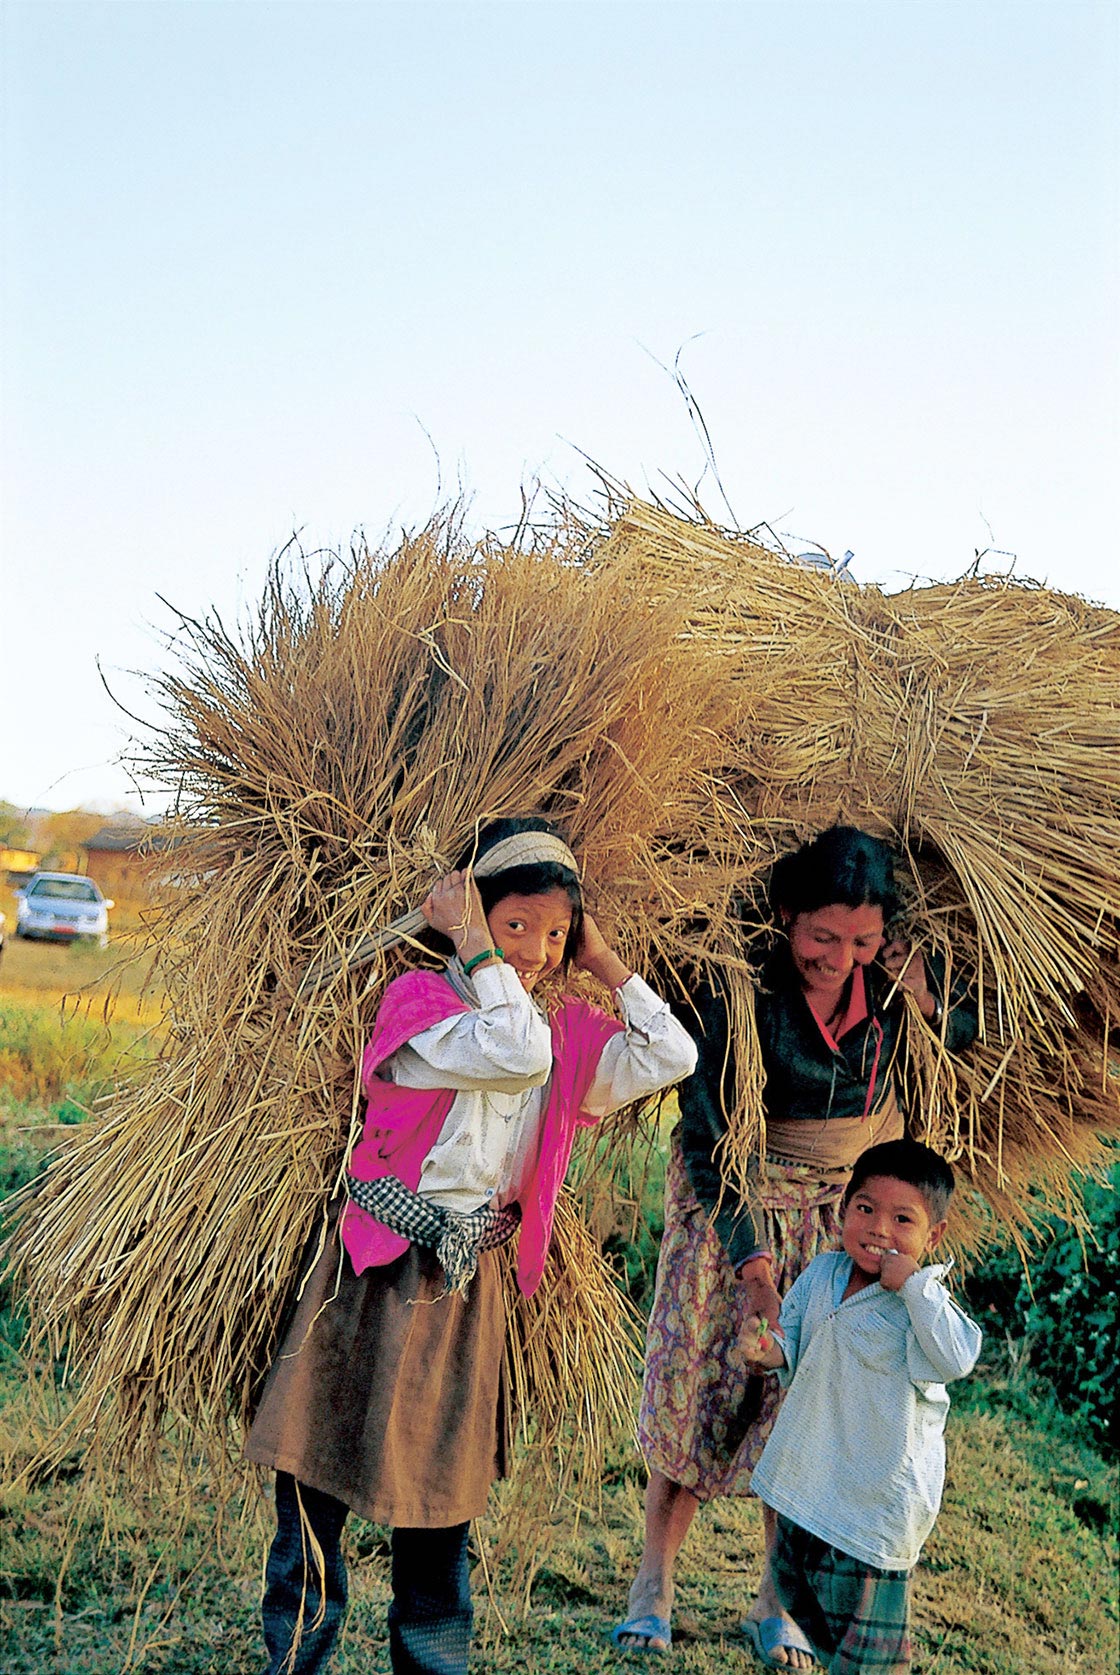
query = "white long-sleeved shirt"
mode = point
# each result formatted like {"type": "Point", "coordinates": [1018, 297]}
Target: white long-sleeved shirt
{"type": "Point", "coordinates": [857, 1453]}
{"type": "Point", "coordinates": [497, 1058]}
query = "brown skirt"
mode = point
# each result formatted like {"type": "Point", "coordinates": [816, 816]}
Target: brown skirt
{"type": "Point", "coordinates": [386, 1395]}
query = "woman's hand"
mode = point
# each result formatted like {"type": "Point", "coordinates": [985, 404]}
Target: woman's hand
{"type": "Point", "coordinates": [596, 956]}
{"type": "Point", "coordinates": [908, 968]}
{"type": "Point", "coordinates": [454, 908]}
{"type": "Point", "coordinates": [757, 1344]}
{"type": "Point", "coordinates": [758, 1281]}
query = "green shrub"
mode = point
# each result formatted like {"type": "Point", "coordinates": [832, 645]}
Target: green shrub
{"type": "Point", "coordinates": [1061, 1317]}
{"type": "Point", "coordinates": [623, 1193]}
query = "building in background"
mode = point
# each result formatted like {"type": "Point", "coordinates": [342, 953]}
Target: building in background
{"type": "Point", "coordinates": [119, 856]}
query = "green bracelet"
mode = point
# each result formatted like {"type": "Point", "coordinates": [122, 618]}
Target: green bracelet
{"type": "Point", "coordinates": [486, 954]}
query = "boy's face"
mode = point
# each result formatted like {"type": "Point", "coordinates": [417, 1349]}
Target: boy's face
{"type": "Point", "coordinates": [886, 1214]}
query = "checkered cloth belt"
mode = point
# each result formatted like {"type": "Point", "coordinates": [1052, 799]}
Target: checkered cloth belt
{"type": "Point", "coordinates": [456, 1239]}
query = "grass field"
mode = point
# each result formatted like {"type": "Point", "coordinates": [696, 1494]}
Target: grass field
{"type": "Point", "coordinates": [1019, 1578]}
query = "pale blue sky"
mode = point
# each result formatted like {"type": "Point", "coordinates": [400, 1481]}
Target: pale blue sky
{"type": "Point", "coordinates": [252, 252]}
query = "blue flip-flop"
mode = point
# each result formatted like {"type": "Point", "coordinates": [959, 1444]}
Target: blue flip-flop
{"type": "Point", "coordinates": [650, 1627]}
{"type": "Point", "coordinates": [772, 1632]}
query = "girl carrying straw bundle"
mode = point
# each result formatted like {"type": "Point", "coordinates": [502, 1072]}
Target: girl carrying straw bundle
{"type": "Point", "coordinates": [830, 1022]}
{"type": "Point", "coordinates": [387, 1395]}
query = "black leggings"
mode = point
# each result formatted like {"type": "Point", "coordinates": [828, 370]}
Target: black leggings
{"type": "Point", "coordinates": [430, 1615]}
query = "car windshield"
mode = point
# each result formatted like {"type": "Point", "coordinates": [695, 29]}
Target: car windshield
{"type": "Point", "coordinates": [67, 889]}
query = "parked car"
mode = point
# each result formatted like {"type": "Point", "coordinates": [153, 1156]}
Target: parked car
{"type": "Point", "coordinates": [62, 907]}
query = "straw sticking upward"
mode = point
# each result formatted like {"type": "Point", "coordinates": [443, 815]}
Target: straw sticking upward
{"type": "Point", "coordinates": [330, 764]}
{"type": "Point", "coordinates": [976, 725]}
{"type": "Point", "coordinates": [686, 704]}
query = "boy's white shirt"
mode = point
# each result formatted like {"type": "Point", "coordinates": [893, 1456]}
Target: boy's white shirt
{"type": "Point", "coordinates": [857, 1453]}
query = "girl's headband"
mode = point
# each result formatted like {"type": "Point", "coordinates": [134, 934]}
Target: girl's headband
{"type": "Point", "coordinates": [523, 849]}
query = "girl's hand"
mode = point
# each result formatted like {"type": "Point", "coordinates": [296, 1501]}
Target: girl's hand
{"type": "Point", "coordinates": [595, 955]}
{"type": "Point", "coordinates": [906, 965]}
{"type": "Point", "coordinates": [454, 908]}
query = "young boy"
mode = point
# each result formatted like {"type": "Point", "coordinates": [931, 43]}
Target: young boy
{"type": "Point", "coordinates": [855, 1464]}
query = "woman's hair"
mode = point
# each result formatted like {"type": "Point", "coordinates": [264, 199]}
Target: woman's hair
{"type": "Point", "coordinates": [841, 867]}
{"type": "Point", "coordinates": [907, 1160]}
{"type": "Point", "coordinates": [535, 879]}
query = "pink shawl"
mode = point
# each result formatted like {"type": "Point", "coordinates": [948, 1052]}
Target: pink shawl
{"type": "Point", "coordinates": [403, 1124]}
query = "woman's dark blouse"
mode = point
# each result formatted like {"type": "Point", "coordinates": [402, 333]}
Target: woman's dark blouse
{"type": "Point", "coordinates": [805, 1078]}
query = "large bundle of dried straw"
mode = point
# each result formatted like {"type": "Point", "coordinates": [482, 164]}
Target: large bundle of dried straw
{"type": "Point", "coordinates": [977, 726]}
{"type": "Point", "coordinates": [687, 704]}
{"type": "Point", "coordinates": [329, 762]}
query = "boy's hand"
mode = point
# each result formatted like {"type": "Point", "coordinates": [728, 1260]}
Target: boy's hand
{"type": "Point", "coordinates": [757, 1343]}
{"type": "Point", "coordinates": [895, 1270]}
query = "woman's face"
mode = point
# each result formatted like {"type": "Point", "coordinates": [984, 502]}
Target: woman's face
{"type": "Point", "coordinates": [830, 942]}
{"type": "Point", "coordinates": [531, 931]}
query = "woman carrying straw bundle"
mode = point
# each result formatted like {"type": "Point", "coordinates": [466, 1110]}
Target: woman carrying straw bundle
{"type": "Point", "coordinates": [387, 1395]}
{"type": "Point", "coordinates": [830, 1020]}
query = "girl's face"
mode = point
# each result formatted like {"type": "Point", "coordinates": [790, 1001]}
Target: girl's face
{"type": "Point", "coordinates": [532, 931]}
{"type": "Point", "coordinates": [830, 942]}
